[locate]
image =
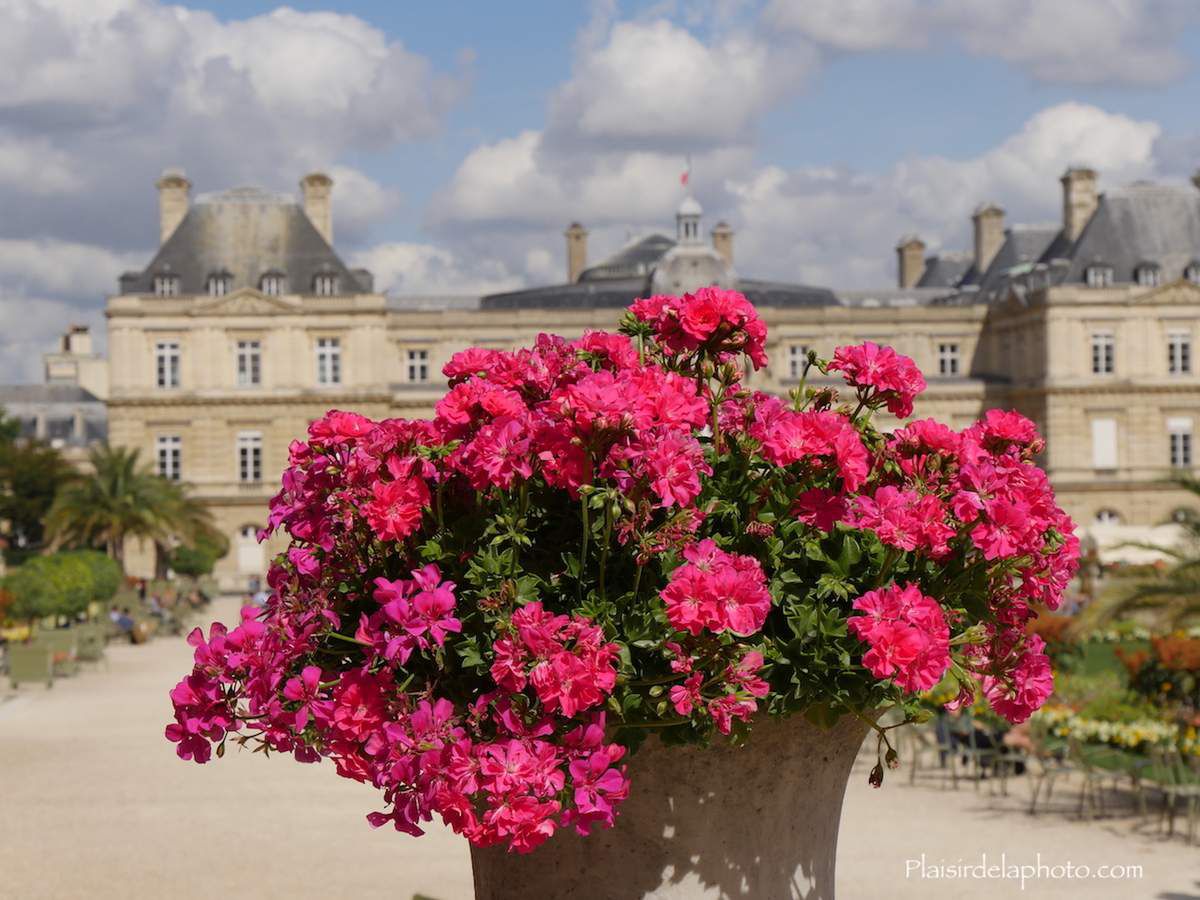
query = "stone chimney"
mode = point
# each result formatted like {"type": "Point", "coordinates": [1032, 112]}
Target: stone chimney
{"type": "Point", "coordinates": [722, 240]}
{"type": "Point", "coordinates": [77, 341]}
{"type": "Point", "coordinates": [911, 255]}
{"type": "Point", "coordinates": [173, 188]}
{"type": "Point", "coordinates": [989, 234]}
{"type": "Point", "coordinates": [576, 236]}
{"type": "Point", "coordinates": [1079, 199]}
{"type": "Point", "coordinates": [317, 190]}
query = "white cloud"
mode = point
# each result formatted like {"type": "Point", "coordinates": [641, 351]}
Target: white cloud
{"type": "Point", "coordinates": [64, 268]}
{"type": "Point", "coordinates": [409, 268]}
{"type": "Point", "coordinates": [838, 228]}
{"type": "Point", "coordinates": [107, 93]}
{"type": "Point", "coordinates": [1062, 41]}
{"type": "Point", "coordinates": [656, 85]}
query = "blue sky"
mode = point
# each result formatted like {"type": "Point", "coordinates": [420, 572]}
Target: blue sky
{"type": "Point", "coordinates": [464, 136]}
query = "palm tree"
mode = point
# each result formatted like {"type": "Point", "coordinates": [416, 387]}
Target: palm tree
{"type": "Point", "coordinates": [1171, 598]}
{"type": "Point", "coordinates": [124, 499]}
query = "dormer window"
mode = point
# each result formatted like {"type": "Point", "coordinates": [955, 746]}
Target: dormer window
{"type": "Point", "coordinates": [272, 284]}
{"type": "Point", "coordinates": [219, 284]}
{"type": "Point", "coordinates": [166, 285]}
{"type": "Point", "coordinates": [1099, 275]}
{"type": "Point", "coordinates": [1192, 272]}
{"type": "Point", "coordinates": [325, 285]}
{"type": "Point", "coordinates": [1148, 275]}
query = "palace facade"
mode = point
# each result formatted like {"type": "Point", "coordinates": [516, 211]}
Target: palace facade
{"type": "Point", "coordinates": [247, 325]}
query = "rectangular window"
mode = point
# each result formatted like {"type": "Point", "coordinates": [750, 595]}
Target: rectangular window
{"type": "Point", "coordinates": [1179, 352]}
{"type": "Point", "coordinates": [797, 358]}
{"type": "Point", "coordinates": [249, 363]}
{"type": "Point", "coordinates": [1104, 443]}
{"type": "Point", "coordinates": [329, 361]}
{"type": "Point", "coordinates": [166, 285]}
{"type": "Point", "coordinates": [1179, 432]}
{"type": "Point", "coordinates": [249, 456]}
{"type": "Point", "coordinates": [325, 285]}
{"type": "Point", "coordinates": [166, 364]}
{"type": "Point", "coordinates": [947, 359]}
{"type": "Point", "coordinates": [1103, 353]}
{"type": "Point", "coordinates": [418, 366]}
{"type": "Point", "coordinates": [168, 451]}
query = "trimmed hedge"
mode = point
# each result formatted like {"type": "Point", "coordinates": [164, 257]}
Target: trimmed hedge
{"type": "Point", "coordinates": [61, 584]}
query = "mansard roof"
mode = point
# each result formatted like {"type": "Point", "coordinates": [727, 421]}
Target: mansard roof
{"type": "Point", "coordinates": [1139, 224]}
{"type": "Point", "coordinates": [1023, 246]}
{"type": "Point", "coordinates": [944, 270]}
{"type": "Point", "coordinates": [247, 232]}
{"type": "Point", "coordinates": [636, 259]}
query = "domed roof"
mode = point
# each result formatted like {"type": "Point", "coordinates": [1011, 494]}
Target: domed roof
{"type": "Point", "coordinates": [689, 207]}
{"type": "Point", "coordinates": [688, 267]}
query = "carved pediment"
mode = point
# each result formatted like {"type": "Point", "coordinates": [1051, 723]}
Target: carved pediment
{"type": "Point", "coordinates": [243, 302]}
{"type": "Point", "coordinates": [1177, 293]}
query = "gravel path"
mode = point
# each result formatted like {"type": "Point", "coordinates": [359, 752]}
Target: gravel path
{"type": "Point", "coordinates": [94, 804]}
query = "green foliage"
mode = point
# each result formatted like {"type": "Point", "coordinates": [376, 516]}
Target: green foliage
{"type": "Point", "coordinates": [198, 558]}
{"type": "Point", "coordinates": [105, 573]}
{"type": "Point", "coordinates": [61, 584]}
{"type": "Point", "coordinates": [122, 499]}
{"type": "Point", "coordinates": [31, 472]}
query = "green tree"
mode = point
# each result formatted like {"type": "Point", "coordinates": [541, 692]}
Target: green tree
{"type": "Point", "coordinates": [105, 573]}
{"type": "Point", "coordinates": [198, 558]}
{"type": "Point", "coordinates": [123, 499]}
{"type": "Point", "coordinates": [31, 473]}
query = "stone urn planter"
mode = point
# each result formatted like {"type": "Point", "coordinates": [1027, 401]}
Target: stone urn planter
{"type": "Point", "coordinates": [760, 821]}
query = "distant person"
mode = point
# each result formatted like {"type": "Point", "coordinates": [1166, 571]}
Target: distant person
{"type": "Point", "coordinates": [260, 598]}
{"type": "Point", "coordinates": [124, 620]}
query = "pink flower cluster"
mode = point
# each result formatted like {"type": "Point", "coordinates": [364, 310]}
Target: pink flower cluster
{"type": "Point", "coordinates": [733, 697]}
{"type": "Point", "coordinates": [717, 591]}
{"type": "Point", "coordinates": [907, 633]}
{"type": "Point", "coordinates": [478, 612]}
{"type": "Point", "coordinates": [722, 322]}
{"type": "Point", "coordinates": [881, 374]}
{"type": "Point", "coordinates": [413, 615]}
{"type": "Point", "coordinates": [566, 659]}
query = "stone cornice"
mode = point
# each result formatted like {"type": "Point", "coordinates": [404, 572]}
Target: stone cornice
{"type": "Point", "coordinates": [1109, 388]}
{"type": "Point", "coordinates": [181, 401]}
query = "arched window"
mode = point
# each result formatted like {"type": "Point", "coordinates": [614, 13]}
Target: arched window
{"type": "Point", "coordinates": [1099, 275]}
{"type": "Point", "coordinates": [272, 283]}
{"type": "Point", "coordinates": [1148, 275]}
{"type": "Point", "coordinates": [1108, 517]}
{"type": "Point", "coordinates": [219, 284]}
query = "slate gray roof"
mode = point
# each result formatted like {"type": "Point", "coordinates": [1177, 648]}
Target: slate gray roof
{"type": "Point", "coordinates": [1023, 245]}
{"type": "Point", "coordinates": [634, 260]}
{"type": "Point", "coordinates": [246, 232]}
{"type": "Point", "coordinates": [67, 413]}
{"type": "Point", "coordinates": [944, 270]}
{"type": "Point", "coordinates": [779, 294]}
{"type": "Point", "coordinates": [595, 294]}
{"type": "Point", "coordinates": [45, 393]}
{"type": "Point", "coordinates": [1136, 224]}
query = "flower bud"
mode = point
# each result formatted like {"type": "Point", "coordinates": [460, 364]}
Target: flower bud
{"type": "Point", "coordinates": [892, 758]}
{"type": "Point", "coordinates": [875, 779]}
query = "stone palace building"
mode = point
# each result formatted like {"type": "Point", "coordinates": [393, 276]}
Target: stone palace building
{"type": "Point", "coordinates": [246, 325]}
